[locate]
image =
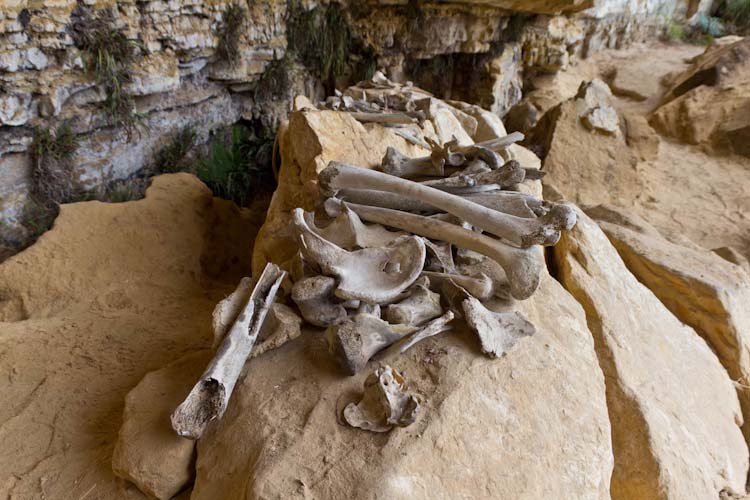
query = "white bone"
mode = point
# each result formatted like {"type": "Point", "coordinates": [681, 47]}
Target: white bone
{"type": "Point", "coordinates": [355, 340]}
{"type": "Point", "coordinates": [442, 256]}
{"type": "Point", "coordinates": [421, 306]}
{"type": "Point", "coordinates": [384, 404]}
{"type": "Point", "coordinates": [208, 399]}
{"type": "Point", "coordinates": [519, 231]}
{"type": "Point", "coordinates": [348, 231]}
{"type": "Point", "coordinates": [497, 332]}
{"type": "Point", "coordinates": [372, 275]}
{"type": "Point", "coordinates": [522, 266]}
{"type": "Point", "coordinates": [434, 327]}
{"type": "Point", "coordinates": [313, 297]}
{"type": "Point", "coordinates": [480, 286]}
{"type": "Point", "coordinates": [281, 326]}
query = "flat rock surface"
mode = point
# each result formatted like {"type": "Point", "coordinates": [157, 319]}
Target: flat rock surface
{"type": "Point", "coordinates": [528, 425]}
{"type": "Point", "coordinates": [674, 411]}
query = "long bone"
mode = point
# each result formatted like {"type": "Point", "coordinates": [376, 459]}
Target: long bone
{"type": "Point", "coordinates": [521, 232]}
{"type": "Point", "coordinates": [480, 286]}
{"type": "Point", "coordinates": [372, 275]}
{"type": "Point", "coordinates": [209, 397]}
{"type": "Point", "coordinates": [434, 327]}
{"type": "Point", "coordinates": [522, 266]}
{"type": "Point", "coordinates": [508, 175]}
{"type": "Point", "coordinates": [518, 204]}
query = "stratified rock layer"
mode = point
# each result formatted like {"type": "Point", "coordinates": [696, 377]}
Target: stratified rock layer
{"type": "Point", "coordinates": [674, 411]}
{"type": "Point", "coordinates": [529, 425]}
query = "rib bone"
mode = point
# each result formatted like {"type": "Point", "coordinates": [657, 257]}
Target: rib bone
{"type": "Point", "coordinates": [522, 232]}
{"type": "Point", "coordinates": [209, 397]}
{"type": "Point", "coordinates": [372, 275]}
{"type": "Point", "coordinates": [522, 266]}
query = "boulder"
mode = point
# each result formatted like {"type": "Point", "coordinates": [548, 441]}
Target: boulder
{"type": "Point", "coordinates": [641, 137]}
{"type": "Point", "coordinates": [699, 287]}
{"type": "Point", "coordinates": [589, 165]}
{"type": "Point", "coordinates": [674, 411]}
{"type": "Point", "coordinates": [709, 104]}
{"type": "Point", "coordinates": [528, 425]}
{"type": "Point", "coordinates": [148, 452]}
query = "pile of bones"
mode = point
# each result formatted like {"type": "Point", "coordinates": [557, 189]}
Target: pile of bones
{"type": "Point", "coordinates": [390, 257]}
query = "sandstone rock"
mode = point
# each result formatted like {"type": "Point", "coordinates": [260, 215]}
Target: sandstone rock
{"type": "Point", "coordinates": [481, 433]}
{"type": "Point", "coordinates": [588, 167]}
{"type": "Point", "coordinates": [155, 74]}
{"type": "Point", "coordinates": [489, 125]}
{"type": "Point", "coordinates": [709, 103]}
{"type": "Point", "coordinates": [148, 452]}
{"type": "Point", "coordinates": [700, 288]}
{"type": "Point", "coordinates": [594, 104]}
{"type": "Point", "coordinates": [730, 254]}
{"type": "Point", "coordinates": [674, 411]}
{"type": "Point", "coordinates": [641, 137]}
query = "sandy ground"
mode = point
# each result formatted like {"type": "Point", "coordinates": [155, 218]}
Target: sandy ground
{"type": "Point", "coordinates": [114, 291]}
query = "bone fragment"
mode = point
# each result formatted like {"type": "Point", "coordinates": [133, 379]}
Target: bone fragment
{"type": "Point", "coordinates": [439, 256]}
{"type": "Point", "coordinates": [434, 327]}
{"type": "Point", "coordinates": [480, 286]}
{"type": "Point", "coordinates": [508, 175]}
{"type": "Point", "coordinates": [209, 397]}
{"type": "Point", "coordinates": [355, 340]}
{"type": "Point", "coordinates": [372, 275]}
{"type": "Point", "coordinates": [226, 312]}
{"type": "Point", "coordinates": [397, 164]}
{"type": "Point", "coordinates": [384, 404]}
{"type": "Point", "coordinates": [497, 332]}
{"type": "Point", "coordinates": [314, 298]}
{"type": "Point", "coordinates": [411, 137]}
{"type": "Point", "coordinates": [421, 306]}
{"type": "Point", "coordinates": [281, 326]}
{"type": "Point", "coordinates": [519, 231]}
{"type": "Point", "coordinates": [522, 266]}
{"type": "Point", "coordinates": [383, 117]}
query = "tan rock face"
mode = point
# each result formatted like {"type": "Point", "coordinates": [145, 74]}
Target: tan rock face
{"type": "Point", "coordinates": [699, 287]}
{"type": "Point", "coordinates": [529, 425]}
{"type": "Point", "coordinates": [709, 104]}
{"type": "Point", "coordinates": [674, 411]}
{"type": "Point", "coordinates": [148, 452]}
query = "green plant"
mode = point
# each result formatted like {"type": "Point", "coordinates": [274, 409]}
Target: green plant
{"type": "Point", "coordinates": [109, 55]}
{"type": "Point", "coordinates": [37, 216]}
{"type": "Point", "coordinates": [675, 31]}
{"type": "Point", "coordinates": [229, 33]}
{"type": "Point", "coordinates": [736, 13]}
{"type": "Point", "coordinates": [237, 169]}
{"type": "Point", "coordinates": [171, 158]}
{"type": "Point", "coordinates": [275, 82]}
{"type": "Point", "coordinates": [124, 190]}
{"type": "Point", "coordinates": [52, 169]}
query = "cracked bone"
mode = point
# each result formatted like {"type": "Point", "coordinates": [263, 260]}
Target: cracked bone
{"type": "Point", "coordinates": [498, 332]}
{"type": "Point", "coordinates": [358, 338]}
{"type": "Point", "coordinates": [480, 286]}
{"type": "Point", "coordinates": [421, 306]}
{"type": "Point", "coordinates": [208, 399]}
{"type": "Point", "coordinates": [384, 404]}
{"type": "Point", "coordinates": [348, 231]}
{"type": "Point", "coordinates": [508, 175]}
{"type": "Point", "coordinates": [372, 275]}
{"type": "Point", "coordinates": [519, 231]}
{"type": "Point", "coordinates": [522, 266]}
{"type": "Point", "coordinates": [313, 298]}
{"type": "Point", "coordinates": [434, 327]}
{"type": "Point", "coordinates": [518, 204]}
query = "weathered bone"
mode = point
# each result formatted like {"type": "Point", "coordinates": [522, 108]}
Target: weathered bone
{"type": "Point", "coordinates": [522, 232]}
{"type": "Point", "coordinates": [365, 117]}
{"type": "Point", "coordinates": [434, 327]}
{"type": "Point", "coordinates": [522, 266]}
{"type": "Point", "coordinates": [384, 404]}
{"type": "Point", "coordinates": [226, 311]}
{"type": "Point", "coordinates": [497, 332]}
{"type": "Point", "coordinates": [421, 306]}
{"type": "Point", "coordinates": [480, 286]}
{"type": "Point", "coordinates": [281, 326]}
{"type": "Point", "coordinates": [313, 298]}
{"type": "Point", "coordinates": [348, 231]}
{"type": "Point", "coordinates": [443, 256]}
{"type": "Point", "coordinates": [400, 165]}
{"type": "Point", "coordinates": [508, 175]}
{"type": "Point", "coordinates": [209, 397]}
{"type": "Point", "coordinates": [518, 204]}
{"type": "Point", "coordinates": [354, 341]}
{"type": "Point", "coordinates": [372, 275]}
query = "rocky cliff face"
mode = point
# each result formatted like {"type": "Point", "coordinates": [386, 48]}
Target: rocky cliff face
{"type": "Point", "coordinates": [182, 74]}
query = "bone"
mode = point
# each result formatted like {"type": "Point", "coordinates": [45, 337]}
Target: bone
{"type": "Point", "coordinates": [522, 266]}
{"type": "Point", "coordinates": [508, 175]}
{"type": "Point", "coordinates": [411, 137]}
{"type": "Point", "coordinates": [397, 164]}
{"type": "Point", "coordinates": [313, 297]}
{"type": "Point", "coordinates": [372, 275]}
{"type": "Point", "coordinates": [384, 404]}
{"type": "Point", "coordinates": [421, 306]}
{"type": "Point", "coordinates": [434, 327]}
{"type": "Point", "coordinates": [480, 286]}
{"type": "Point", "coordinates": [355, 340]}
{"type": "Point", "coordinates": [225, 313]}
{"type": "Point", "coordinates": [383, 117]}
{"type": "Point", "coordinates": [208, 399]}
{"type": "Point", "coordinates": [348, 231]}
{"type": "Point", "coordinates": [282, 325]}
{"type": "Point", "coordinates": [439, 256]}
{"type": "Point", "coordinates": [518, 231]}
{"type": "Point", "coordinates": [498, 332]}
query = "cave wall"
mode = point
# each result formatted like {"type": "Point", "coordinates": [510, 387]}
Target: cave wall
{"type": "Point", "coordinates": [178, 80]}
